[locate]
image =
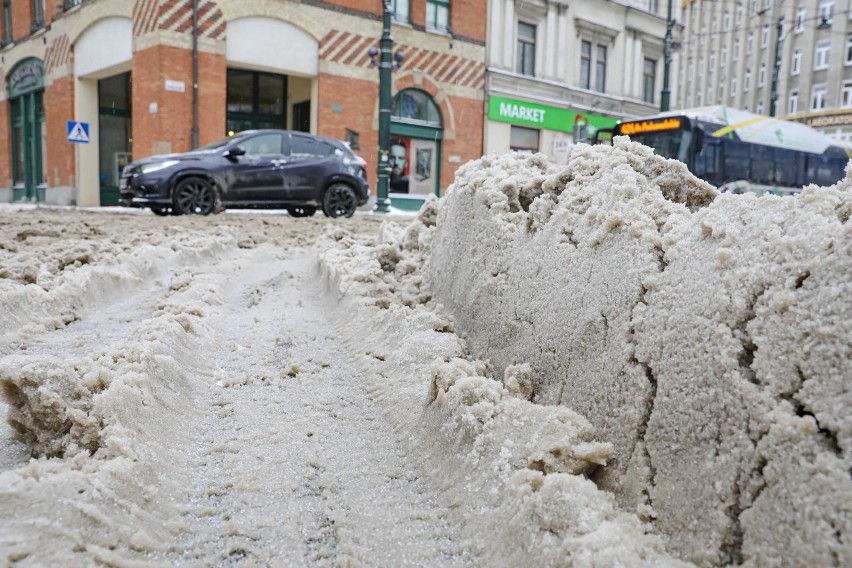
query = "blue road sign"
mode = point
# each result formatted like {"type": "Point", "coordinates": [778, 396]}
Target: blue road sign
{"type": "Point", "coordinates": [78, 132]}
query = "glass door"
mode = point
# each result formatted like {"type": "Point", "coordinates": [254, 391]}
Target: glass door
{"type": "Point", "coordinates": [28, 142]}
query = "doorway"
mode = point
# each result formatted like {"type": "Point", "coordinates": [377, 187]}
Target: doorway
{"type": "Point", "coordinates": [415, 149]}
{"type": "Point", "coordinates": [28, 136]}
{"type": "Point", "coordinates": [115, 134]}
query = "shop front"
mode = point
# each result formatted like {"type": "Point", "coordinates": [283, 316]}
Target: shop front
{"type": "Point", "coordinates": [26, 111]}
{"type": "Point", "coordinates": [415, 149]}
{"type": "Point", "coordinates": [524, 126]}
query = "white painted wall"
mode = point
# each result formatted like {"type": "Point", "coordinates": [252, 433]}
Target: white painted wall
{"type": "Point", "coordinates": [267, 44]}
{"type": "Point", "coordinates": [104, 49]}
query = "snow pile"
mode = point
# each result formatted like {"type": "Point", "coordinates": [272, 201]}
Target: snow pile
{"type": "Point", "coordinates": [516, 469]}
{"type": "Point", "coordinates": [703, 340]}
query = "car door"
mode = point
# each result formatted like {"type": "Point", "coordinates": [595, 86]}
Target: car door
{"type": "Point", "coordinates": [257, 176]}
{"type": "Point", "coordinates": [308, 166]}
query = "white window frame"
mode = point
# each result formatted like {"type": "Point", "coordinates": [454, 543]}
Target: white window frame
{"type": "Point", "coordinates": [819, 93]}
{"type": "Point", "coordinates": [848, 60]}
{"type": "Point", "coordinates": [739, 17]}
{"type": "Point", "coordinates": [736, 55]}
{"type": "Point", "coordinates": [401, 16]}
{"type": "Point", "coordinates": [723, 58]}
{"type": "Point", "coordinates": [822, 54]}
{"type": "Point", "coordinates": [826, 11]}
{"type": "Point", "coordinates": [712, 61]}
{"type": "Point", "coordinates": [733, 87]}
{"type": "Point", "coordinates": [801, 11]}
{"type": "Point", "coordinates": [761, 75]}
{"type": "Point", "coordinates": [793, 103]}
{"type": "Point", "coordinates": [759, 107]}
{"type": "Point", "coordinates": [750, 43]}
{"type": "Point", "coordinates": [747, 81]}
{"type": "Point", "coordinates": [726, 21]}
{"type": "Point", "coordinates": [796, 65]}
{"type": "Point", "coordinates": [764, 36]}
{"type": "Point", "coordinates": [846, 94]}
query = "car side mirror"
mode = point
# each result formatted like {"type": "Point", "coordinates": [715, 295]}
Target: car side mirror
{"type": "Point", "coordinates": [234, 152]}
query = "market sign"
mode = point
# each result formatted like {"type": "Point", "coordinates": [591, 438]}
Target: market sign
{"type": "Point", "coordinates": [26, 76]}
{"type": "Point", "coordinates": [535, 115]}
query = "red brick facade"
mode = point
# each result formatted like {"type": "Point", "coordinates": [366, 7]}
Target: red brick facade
{"type": "Point", "coordinates": [451, 69]}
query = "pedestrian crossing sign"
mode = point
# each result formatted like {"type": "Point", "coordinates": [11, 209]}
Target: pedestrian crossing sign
{"type": "Point", "coordinates": [78, 132]}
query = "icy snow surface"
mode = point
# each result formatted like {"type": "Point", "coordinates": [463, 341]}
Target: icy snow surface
{"type": "Point", "coordinates": [605, 364]}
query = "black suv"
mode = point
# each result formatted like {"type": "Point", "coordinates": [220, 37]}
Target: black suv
{"type": "Point", "coordinates": [263, 169]}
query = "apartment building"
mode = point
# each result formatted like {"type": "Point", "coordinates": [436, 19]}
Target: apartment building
{"type": "Point", "coordinates": [158, 76]}
{"type": "Point", "coordinates": [732, 48]}
{"type": "Point", "coordinates": [559, 70]}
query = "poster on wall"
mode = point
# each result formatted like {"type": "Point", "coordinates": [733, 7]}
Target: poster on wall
{"type": "Point", "coordinates": [399, 164]}
{"type": "Point", "coordinates": [423, 152]}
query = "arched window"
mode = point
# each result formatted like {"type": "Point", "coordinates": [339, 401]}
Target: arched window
{"type": "Point", "coordinates": [414, 106]}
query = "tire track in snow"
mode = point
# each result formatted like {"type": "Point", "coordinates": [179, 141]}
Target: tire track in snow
{"type": "Point", "coordinates": [296, 465]}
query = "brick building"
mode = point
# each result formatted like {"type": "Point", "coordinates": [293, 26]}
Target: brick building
{"type": "Point", "coordinates": [127, 68]}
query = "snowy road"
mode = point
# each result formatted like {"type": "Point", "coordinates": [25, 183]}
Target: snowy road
{"type": "Point", "coordinates": [279, 458]}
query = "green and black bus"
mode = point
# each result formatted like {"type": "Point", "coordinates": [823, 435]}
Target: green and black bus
{"type": "Point", "coordinates": [739, 152]}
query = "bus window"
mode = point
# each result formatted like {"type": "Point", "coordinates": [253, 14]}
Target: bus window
{"type": "Point", "coordinates": [706, 162]}
{"type": "Point", "coordinates": [785, 168]}
{"type": "Point", "coordinates": [762, 163]}
{"type": "Point", "coordinates": [736, 161]}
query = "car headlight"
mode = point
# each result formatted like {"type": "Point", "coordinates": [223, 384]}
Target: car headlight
{"type": "Point", "coordinates": [157, 166]}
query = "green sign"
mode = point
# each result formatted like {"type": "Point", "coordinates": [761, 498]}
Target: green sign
{"type": "Point", "coordinates": [542, 116]}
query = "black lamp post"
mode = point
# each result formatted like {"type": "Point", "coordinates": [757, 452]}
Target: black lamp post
{"type": "Point", "coordinates": [386, 65]}
{"type": "Point", "coordinates": [824, 24]}
{"type": "Point", "coordinates": [667, 61]}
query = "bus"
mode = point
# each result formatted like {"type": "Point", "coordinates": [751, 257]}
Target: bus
{"type": "Point", "coordinates": [739, 152]}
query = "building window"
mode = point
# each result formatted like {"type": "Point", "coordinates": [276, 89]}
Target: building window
{"type": "Point", "coordinates": [733, 87]}
{"type": "Point", "coordinates": [524, 140]}
{"type": "Point", "coordinates": [793, 106]}
{"type": "Point", "coordinates": [818, 97]}
{"type": "Point", "coordinates": [796, 67]}
{"type": "Point", "coordinates": [402, 11]}
{"type": "Point", "coordinates": [7, 21]}
{"type": "Point", "coordinates": [712, 61]}
{"type": "Point", "coordinates": [800, 20]}
{"type": "Point", "coordinates": [600, 69]}
{"type": "Point", "coordinates": [722, 93]}
{"type": "Point", "coordinates": [653, 6]}
{"type": "Point", "coordinates": [724, 57]}
{"type": "Point", "coordinates": [760, 107]}
{"type": "Point", "coordinates": [585, 64]}
{"type": "Point", "coordinates": [752, 7]}
{"type": "Point", "coordinates": [438, 16]}
{"type": "Point", "coordinates": [38, 14]}
{"type": "Point", "coordinates": [747, 81]}
{"type": "Point", "coordinates": [826, 11]}
{"type": "Point", "coordinates": [849, 50]}
{"type": "Point", "coordinates": [823, 48]}
{"type": "Point", "coordinates": [649, 80]}
{"type": "Point", "coordinates": [750, 43]}
{"type": "Point", "coordinates": [761, 75]}
{"type": "Point", "coordinates": [739, 17]}
{"type": "Point", "coordinates": [736, 55]}
{"type": "Point", "coordinates": [764, 36]}
{"type": "Point", "coordinates": [525, 58]}
{"type": "Point", "coordinates": [846, 95]}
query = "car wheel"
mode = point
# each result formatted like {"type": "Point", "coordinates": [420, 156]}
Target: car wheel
{"type": "Point", "coordinates": [194, 196]}
{"type": "Point", "coordinates": [301, 211]}
{"type": "Point", "coordinates": [161, 211]}
{"type": "Point", "coordinates": [339, 201]}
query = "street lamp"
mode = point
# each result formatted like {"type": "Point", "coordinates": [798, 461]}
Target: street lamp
{"type": "Point", "coordinates": [667, 61]}
{"type": "Point", "coordinates": [824, 24]}
{"type": "Point", "coordinates": [385, 65]}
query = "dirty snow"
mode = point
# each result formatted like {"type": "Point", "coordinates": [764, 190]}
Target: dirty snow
{"type": "Point", "coordinates": [597, 365]}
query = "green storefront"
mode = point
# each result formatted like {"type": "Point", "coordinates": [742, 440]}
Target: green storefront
{"type": "Point", "coordinates": [26, 117]}
{"type": "Point", "coordinates": [531, 121]}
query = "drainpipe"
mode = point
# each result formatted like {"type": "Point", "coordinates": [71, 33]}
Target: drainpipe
{"type": "Point", "coordinates": [194, 74]}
